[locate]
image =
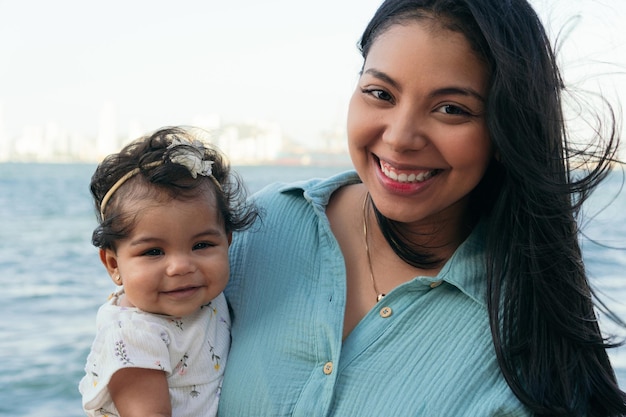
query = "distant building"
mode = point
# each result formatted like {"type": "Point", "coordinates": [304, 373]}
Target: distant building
{"type": "Point", "coordinates": [256, 142]}
{"type": "Point", "coordinates": [249, 143]}
{"type": "Point", "coordinates": [107, 141]}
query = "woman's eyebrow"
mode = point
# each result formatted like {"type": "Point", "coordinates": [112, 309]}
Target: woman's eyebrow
{"type": "Point", "coordinates": [381, 75]}
{"type": "Point", "coordinates": [464, 91]}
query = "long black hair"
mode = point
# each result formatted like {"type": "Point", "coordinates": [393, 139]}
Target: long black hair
{"type": "Point", "coordinates": [541, 307]}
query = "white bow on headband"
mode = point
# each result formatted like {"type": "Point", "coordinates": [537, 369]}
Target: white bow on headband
{"type": "Point", "coordinates": [187, 154]}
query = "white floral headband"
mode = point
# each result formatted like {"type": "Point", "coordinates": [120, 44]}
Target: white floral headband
{"type": "Point", "coordinates": [187, 154]}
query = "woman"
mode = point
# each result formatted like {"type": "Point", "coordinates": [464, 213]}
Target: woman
{"type": "Point", "coordinates": [444, 277]}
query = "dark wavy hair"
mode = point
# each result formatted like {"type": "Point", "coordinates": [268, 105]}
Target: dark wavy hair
{"type": "Point", "coordinates": [541, 307]}
{"type": "Point", "coordinates": [153, 179]}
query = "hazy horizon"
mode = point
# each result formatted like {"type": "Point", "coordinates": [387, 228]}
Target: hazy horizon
{"type": "Point", "coordinates": [156, 63]}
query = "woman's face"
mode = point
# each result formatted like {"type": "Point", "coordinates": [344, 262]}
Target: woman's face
{"type": "Point", "coordinates": [416, 124]}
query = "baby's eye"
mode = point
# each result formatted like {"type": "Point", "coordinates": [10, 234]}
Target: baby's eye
{"type": "Point", "coordinates": [153, 252]}
{"type": "Point", "coordinates": [202, 245]}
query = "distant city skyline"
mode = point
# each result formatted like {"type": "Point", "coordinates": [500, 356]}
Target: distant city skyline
{"type": "Point", "coordinates": [251, 142]}
{"type": "Point", "coordinates": [69, 64]}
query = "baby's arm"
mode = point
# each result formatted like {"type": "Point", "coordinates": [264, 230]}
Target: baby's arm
{"type": "Point", "coordinates": [140, 392]}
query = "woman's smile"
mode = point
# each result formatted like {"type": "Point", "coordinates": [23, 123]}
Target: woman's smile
{"type": "Point", "coordinates": [405, 180]}
{"type": "Point", "coordinates": [406, 175]}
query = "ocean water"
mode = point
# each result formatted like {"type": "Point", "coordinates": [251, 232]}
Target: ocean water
{"type": "Point", "coordinates": [52, 281]}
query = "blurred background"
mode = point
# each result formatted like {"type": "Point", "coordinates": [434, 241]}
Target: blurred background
{"type": "Point", "coordinates": [271, 78]}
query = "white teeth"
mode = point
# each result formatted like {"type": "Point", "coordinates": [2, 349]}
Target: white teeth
{"type": "Point", "coordinates": [412, 177]}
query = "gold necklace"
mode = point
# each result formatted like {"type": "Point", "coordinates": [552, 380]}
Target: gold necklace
{"type": "Point", "coordinates": [379, 295]}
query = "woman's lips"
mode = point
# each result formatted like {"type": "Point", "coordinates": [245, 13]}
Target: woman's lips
{"type": "Point", "coordinates": [406, 176]}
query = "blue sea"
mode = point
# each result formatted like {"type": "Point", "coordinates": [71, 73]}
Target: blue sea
{"type": "Point", "coordinates": [52, 281]}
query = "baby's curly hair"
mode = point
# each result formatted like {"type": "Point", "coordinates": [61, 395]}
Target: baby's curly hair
{"type": "Point", "coordinates": [153, 178]}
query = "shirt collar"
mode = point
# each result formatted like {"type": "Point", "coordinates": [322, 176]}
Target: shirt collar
{"type": "Point", "coordinates": [465, 269]}
{"type": "Point", "coordinates": [318, 191]}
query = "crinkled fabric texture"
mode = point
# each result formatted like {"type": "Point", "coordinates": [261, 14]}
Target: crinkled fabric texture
{"type": "Point", "coordinates": [423, 350]}
{"type": "Point", "coordinates": [191, 350]}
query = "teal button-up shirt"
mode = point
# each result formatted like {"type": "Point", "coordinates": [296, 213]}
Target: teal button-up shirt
{"type": "Point", "coordinates": [423, 350]}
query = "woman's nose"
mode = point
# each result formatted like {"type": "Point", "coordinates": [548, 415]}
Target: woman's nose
{"type": "Point", "coordinates": [405, 130]}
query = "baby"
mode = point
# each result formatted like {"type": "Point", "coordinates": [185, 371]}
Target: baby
{"type": "Point", "coordinates": [167, 206]}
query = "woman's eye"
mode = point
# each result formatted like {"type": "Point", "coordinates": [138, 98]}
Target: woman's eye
{"type": "Point", "coordinates": [379, 94]}
{"type": "Point", "coordinates": [453, 110]}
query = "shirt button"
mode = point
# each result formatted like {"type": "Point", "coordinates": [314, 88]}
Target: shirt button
{"type": "Point", "coordinates": [435, 284]}
{"type": "Point", "coordinates": [328, 368]}
{"type": "Point", "coordinates": [386, 312]}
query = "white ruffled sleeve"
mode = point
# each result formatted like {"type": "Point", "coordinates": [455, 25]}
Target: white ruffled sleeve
{"type": "Point", "coordinates": [126, 338]}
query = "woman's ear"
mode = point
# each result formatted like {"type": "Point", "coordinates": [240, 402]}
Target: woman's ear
{"type": "Point", "coordinates": [109, 260]}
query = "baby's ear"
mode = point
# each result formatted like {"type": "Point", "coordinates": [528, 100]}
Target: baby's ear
{"type": "Point", "coordinates": [109, 260]}
{"type": "Point", "coordinates": [230, 238]}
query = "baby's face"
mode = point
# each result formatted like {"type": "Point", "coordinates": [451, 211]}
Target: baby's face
{"type": "Point", "coordinates": [175, 259]}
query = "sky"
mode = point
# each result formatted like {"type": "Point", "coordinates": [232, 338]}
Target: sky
{"type": "Point", "coordinates": [157, 62]}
